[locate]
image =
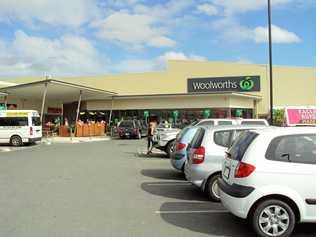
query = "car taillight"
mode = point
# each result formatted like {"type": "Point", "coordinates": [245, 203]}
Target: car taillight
{"type": "Point", "coordinates": [198, 155]}
{"type": "Point", "coordinates": [244, 170]}
{"type": "Point", "coordinates": [180, 146]}
{"type": "Point", "coordinates": [31, 131]}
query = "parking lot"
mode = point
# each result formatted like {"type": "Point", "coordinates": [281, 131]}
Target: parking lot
{"type": "Point", "coordinates": [107, 188]}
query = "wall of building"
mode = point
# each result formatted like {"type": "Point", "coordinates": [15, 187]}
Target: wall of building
{"type": "Point", "coordinates": [292, 85]}
{"type": "Point", "coordinates": [172, 102]}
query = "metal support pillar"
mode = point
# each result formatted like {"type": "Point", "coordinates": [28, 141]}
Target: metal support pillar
{"type": "Point", "coordinates": [6, 102]}
{"type": "Point", "coordinates": [110, 117]}
{"type": "Point", "coordinates": [43, 101]}
{"type": "Point", "coordinates": [78, 111]}
{"type": "Point", "coordinates": [111, 111]}
{"type": "Point", "coordinates": [270, 62]}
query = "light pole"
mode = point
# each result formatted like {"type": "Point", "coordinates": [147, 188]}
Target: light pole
{"type": "Point", "coordinates": [270, 62]}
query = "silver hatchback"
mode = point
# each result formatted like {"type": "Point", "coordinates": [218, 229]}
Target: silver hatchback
{"type": "Point", "coordinates": [206, 153]}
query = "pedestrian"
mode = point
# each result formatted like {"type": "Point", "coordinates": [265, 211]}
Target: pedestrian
{"type": "Point", "coordinates": [150, 135]}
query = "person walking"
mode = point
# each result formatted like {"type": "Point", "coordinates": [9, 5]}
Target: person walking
{"type": "Point", "coordinates": [150, 135]}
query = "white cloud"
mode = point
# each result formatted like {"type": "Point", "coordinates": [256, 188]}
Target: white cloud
{"type": "Point", "coordinates": [138, 24]}
{"type": "Point", "coordinates": [67, 56]}
{"type": "Point", "coordinates": [172, 55]}
{"type": "Point", "coordinates": [232, 7]}
{"type": "Point", "coordinates": [54, 12]}
{"type": "Point", "coordinates": [133, 30]}
{"type": "Point", "coordinates": [279, 35]}
{"type": "Point", "coordinates": [232, 32]}
{"type": "Point", "coordinates": [162, 12]}
{"type": "Point", "coordinates": [207, 9]}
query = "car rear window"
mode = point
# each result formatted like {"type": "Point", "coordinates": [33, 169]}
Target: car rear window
{"type": "Point", "coordinates": [253, 123]}
{"type": "Point", "coordinates": [126, 124]}
{"type": "Point", "coordinates": [225, 122]}
{"type": "Point", "coordinates": [182, 133]}
{"type": "Point", "coordinates": [36, 121]}
{"type": "Point", "coordinates": [241, 145]}
{"type": "Point", "coordinates": [293, 148]}
{"type": "Point", "coordinates": [198, 138]}
{"type": "Point", "coordinates": [206, 123]}
{"type": "Point", "coordinates": [223, 138]}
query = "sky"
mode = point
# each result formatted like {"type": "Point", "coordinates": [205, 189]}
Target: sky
{"type": "Point", "coordinates": [98, 37]}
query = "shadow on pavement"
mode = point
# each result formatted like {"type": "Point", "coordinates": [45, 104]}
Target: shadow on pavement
{"type": "Point", "coordinates": [222, 224]}
{"type": "Point", "coordinates": [215, 223]}
{"type": "Point", "coordinates": [167, 174]}
{"type": "Point", "coordinates": [305, 230]}
{"type": "Point", "coordinates": [152, 155]}
{"type": "Point", "coordinates": [177, 190]}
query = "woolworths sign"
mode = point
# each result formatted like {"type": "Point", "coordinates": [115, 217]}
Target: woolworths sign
{"type": "Point", "coordinates": [222, 84]}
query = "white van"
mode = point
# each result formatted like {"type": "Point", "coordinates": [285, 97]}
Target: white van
{"type": "Point", "coordinates": [20, 126]}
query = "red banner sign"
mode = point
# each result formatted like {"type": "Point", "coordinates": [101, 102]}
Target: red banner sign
{"type": "Point", "coordinates": [300, 116]}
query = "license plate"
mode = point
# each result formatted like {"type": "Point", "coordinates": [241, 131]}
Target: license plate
{"type": "Point", "coordinates": [127, 134]}
{"type": "Point", "coordinates": [226, 172]}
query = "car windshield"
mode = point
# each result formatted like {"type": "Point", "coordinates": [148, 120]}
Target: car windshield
{"type": "Point", "coordinates": [241, 145]}
{"type": "Point", "coordinates": [126, 124]}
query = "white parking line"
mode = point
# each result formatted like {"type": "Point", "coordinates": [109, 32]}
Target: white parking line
{"type": "Point", "coordinates": [5, 149]}
{"type": "Point", "coordinates": [188, 212]}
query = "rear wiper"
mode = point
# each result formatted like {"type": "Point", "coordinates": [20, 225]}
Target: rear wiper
{"type": "Point", "coordinates": [228, 154]}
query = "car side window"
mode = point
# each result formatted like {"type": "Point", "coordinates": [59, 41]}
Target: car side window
{"type": "Point", "coordinates": [225, 122]}
{"type": "Point", "coordinates": [222, 138]}
{"type": "Point", "coordinates": [207, 123]}
{"type": "Point", "coordinates": [293, 148]}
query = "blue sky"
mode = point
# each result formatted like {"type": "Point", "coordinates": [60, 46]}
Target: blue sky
{"type": "Point", "coordinates": [94, 37]}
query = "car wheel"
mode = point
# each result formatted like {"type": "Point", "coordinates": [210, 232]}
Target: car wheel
{"type": "Point", "coordinates": [16, 141]}
{"type": "Point", "coordinates": [212, 189]}
{"type": "Point", "coordinates": [273, 218]}
{"type": "Point", "coordinates": [170, 148]}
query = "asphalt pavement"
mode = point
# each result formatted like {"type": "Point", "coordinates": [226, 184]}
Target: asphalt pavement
{"type": "Point", "coordinates": [106, 188]}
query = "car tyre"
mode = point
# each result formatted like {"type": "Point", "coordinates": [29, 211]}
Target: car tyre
{"type": "Point", "coordinates": [170, 148]}
{"type": "Point", "coordinates": [212, 189]}
{"type": "Point", "coordinates": [276, 214]}
{"type": "Point", "coordinates": [16, 141]}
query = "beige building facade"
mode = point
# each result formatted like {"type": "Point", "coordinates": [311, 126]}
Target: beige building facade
{"type": "Point", "coordinates": [162, 93]}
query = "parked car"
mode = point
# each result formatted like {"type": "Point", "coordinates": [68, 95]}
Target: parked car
{"type": "Point", "coordinates": [164, 139]}
{"type": "Point", "coordinates": [216, 122]}
{"type": "Point", "coordinates": [131, 129]}
{"type": "Point", "coordinates": [268, 178]}
{"type": "Point", "coordinates": [206, 154]}
{"type": "Point", "coordinates": [262, 122]}
{"type": "Point", "coordinates": [18, 127]}
{"type": "Point", "coordinates": [179, 156]}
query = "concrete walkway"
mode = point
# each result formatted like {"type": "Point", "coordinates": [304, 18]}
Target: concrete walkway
{"type": "Point", "coordinates": [75, 139]}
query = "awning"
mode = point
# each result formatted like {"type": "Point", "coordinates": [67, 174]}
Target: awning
{"type": "Point", "coordinates": [56, 90]}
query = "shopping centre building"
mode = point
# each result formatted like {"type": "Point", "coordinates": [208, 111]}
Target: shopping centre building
{"type": "Point", "coordinates": [185, 91]}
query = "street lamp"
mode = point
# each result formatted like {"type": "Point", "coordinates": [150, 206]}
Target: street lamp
{"type": "Point", "coordinates": [270, 62]}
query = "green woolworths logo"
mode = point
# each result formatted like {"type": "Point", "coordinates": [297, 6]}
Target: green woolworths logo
{"type": "Point", "coordinates": [246, 84]}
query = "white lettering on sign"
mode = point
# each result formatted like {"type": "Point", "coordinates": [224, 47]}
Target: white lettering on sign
{"type": "Point", "coordinates": [307, 113]}
{"type": "Point", "coordinates": [215, 85]}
